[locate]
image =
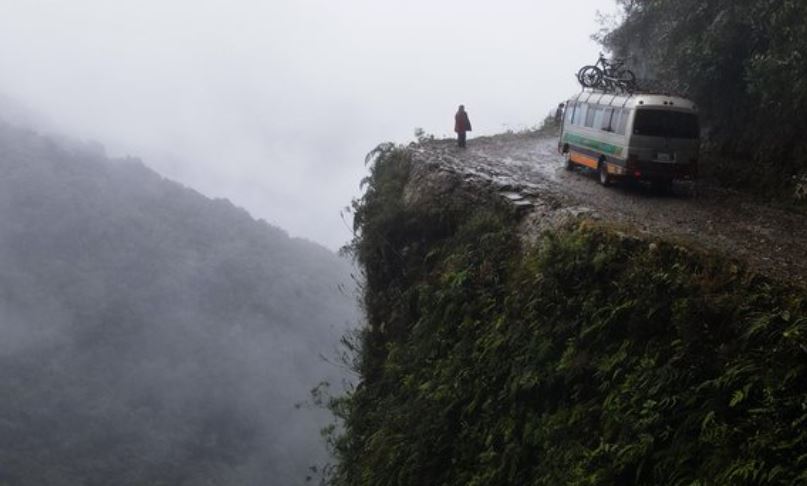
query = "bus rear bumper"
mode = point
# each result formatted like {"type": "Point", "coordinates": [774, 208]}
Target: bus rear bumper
{"type": "Point", "coordinates": [658, 171]}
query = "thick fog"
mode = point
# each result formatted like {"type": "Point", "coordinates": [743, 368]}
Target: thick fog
{"type": "Point", "coordinates": [151, 335]}
{"type": "Point", "coordinates": [273, 104]}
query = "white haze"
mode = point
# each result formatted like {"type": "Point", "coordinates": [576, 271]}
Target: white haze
{"type": "Point", "coordinates": [273, 104]}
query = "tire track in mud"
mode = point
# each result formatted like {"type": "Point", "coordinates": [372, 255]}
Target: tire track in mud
{"type": "Point", "coordinates": [528, 171]}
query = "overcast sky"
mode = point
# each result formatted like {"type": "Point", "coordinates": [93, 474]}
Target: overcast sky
{"type": "Point", "coordinates": [274, 103]}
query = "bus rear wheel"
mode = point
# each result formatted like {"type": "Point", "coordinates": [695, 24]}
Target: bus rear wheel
{"type": "Point", "coordinates": [569, 162]}
{"type": "Point", "coordinates": [605, 177]}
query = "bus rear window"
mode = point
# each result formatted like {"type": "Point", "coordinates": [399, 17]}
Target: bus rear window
{"type": "Point", "coordinates": [666, 123]}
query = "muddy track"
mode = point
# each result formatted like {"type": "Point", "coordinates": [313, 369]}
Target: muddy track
{"type": "Point", "coordinates": [529, 171]}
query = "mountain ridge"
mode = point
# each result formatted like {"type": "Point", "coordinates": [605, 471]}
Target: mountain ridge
{"type": "Point", "coordinates": [150, 333]}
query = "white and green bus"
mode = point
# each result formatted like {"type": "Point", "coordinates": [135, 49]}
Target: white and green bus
{"type": "Point", "coordinates": [645, 136]}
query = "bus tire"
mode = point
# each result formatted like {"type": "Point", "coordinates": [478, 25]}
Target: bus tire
{"type": "Point", "coordinates": [569, 162]}
{"type": "Point", "coordinates": [605, 177]}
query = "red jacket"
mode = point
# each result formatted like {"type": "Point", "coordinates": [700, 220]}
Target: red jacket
{"type": "Point", "coordinates": [461, 122]}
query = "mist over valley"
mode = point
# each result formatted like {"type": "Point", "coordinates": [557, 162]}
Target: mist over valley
{"type": "Point", "coordinates": [150, 335]}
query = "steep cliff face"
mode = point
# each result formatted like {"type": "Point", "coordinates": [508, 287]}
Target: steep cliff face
{"type": "Point", "coordinates": [513, 345]}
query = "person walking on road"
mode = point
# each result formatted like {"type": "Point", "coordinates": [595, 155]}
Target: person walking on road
{"type": "Point", "coordinates": [559, 114]}
{"type": "Point", "coordinates": [462, 124]}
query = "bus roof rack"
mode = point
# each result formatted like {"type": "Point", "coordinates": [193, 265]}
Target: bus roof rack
{"type": "Point", "coordinates": [644, 87]}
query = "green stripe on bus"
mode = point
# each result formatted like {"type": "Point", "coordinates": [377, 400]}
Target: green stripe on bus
{"type": "Point", "coordinates": [603, 147]}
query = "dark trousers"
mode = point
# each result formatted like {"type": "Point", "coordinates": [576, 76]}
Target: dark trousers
{"type": "Point", "coordinates": [461, 139]}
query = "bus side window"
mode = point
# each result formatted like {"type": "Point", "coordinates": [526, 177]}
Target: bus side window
{"type": "Point", "coordinates": [570, 109]}
{"type": "Point", "coordinates": [580, 114]}
{"type": "Point", "coordinates": [590, 114]}
{"type": "Point", "coordinates": [623, 121]}
{"type": "Point", "coordinates": [598, 118]}
{"type": "Point", "coordinates": [608, 120]}
{"type": "Point", "coordinates": [616, 122]}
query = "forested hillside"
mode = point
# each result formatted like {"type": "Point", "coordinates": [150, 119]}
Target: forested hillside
{"type": "Point", "coordinates": [150, 335]}
{"type": "Point", "coordinates": [581, 352]}
{"type": "Point", "coordinates": [745, 63]}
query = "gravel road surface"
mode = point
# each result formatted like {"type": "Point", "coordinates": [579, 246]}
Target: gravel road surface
{"type": "Point", "coordinates": [528, 170]}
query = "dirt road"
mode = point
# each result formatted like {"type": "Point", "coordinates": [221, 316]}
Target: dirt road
{"type": "Point", "coordinates": [528, 170]}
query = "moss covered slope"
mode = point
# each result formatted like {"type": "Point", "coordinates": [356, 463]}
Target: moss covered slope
{"type": "Point", "coordinates": [591, 358]}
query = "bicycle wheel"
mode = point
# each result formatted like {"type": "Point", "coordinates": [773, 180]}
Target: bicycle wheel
{"type": "Point", "coordinates": [590, 76]}
{"type": "Point", "coordinates": [583, 69]}
{"type": "Point", "coordinates": [580, 73]}
{"type": "Point", "coordinates": [627, 80]}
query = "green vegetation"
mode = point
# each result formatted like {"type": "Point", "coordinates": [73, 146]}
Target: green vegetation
{"type": "Point", "coordinates": [593, 358]}
{"type": "Point", "coordinates": [744, 63]}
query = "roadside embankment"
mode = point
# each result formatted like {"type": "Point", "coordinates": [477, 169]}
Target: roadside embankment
{"type": "Point", "coordinates": [512, 342]}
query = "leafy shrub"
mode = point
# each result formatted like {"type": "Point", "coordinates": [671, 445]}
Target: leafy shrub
{"type": "Point", "coordinates": [744, 63]}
